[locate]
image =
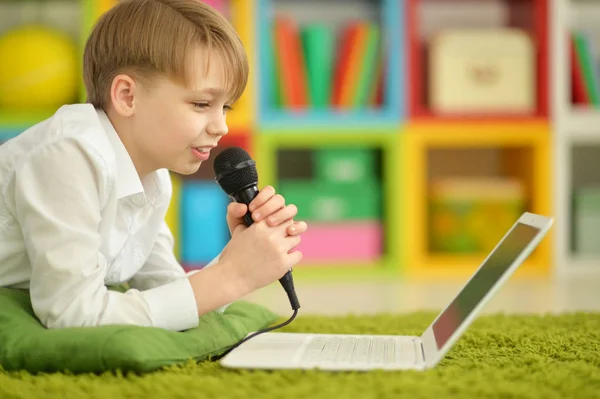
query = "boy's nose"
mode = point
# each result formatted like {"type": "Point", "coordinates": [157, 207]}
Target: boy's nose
{"type": "Point", "coordinates": [218, 126]}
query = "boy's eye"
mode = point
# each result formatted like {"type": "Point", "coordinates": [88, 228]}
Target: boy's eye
{"type": "Point", "coordinates": [226, 108]}
{"type": "Point", "coordinates": [201, 105]}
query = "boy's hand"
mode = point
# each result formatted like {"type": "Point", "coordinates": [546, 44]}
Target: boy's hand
{"type": "Point", "coordinates": [257, 256]}
{"type": "Point", "coordinates": [267, 205]}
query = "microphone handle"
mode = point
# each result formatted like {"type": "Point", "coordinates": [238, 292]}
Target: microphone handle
{"type": "Point", "coordinates": [245, 196]}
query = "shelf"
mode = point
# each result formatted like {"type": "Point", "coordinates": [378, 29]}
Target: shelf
{"type": "Point", "coordinates": [516, 151]}
{"type": "Point", "coordinates": [271, 172]}
{"type": "Point", "coordinates": [577, 144]}
{"type": "Point", "coordinates": [277, 122]}
{"type": "Point", "coordinates": [579, 266]}
{"type": "Point", "coordinates": [473, 118]}
{"type": "Point", "coordinates": [583, 125]}
{"type": "Point", "coordinates": [427, 18]}
{"type": "Point", "coordinates": [391, 111]}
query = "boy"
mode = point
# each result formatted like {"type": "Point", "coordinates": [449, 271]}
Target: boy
{"type": "Point", "coordinates": [83, 195]}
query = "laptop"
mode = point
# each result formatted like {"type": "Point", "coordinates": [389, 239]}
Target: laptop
{"type": "Point", "coordinates": [342, 352]}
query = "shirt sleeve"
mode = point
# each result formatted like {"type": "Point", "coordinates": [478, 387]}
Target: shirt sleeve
{"type": "Point", "coordinates": [58, 196]}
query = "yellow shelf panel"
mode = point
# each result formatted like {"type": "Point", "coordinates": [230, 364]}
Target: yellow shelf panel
{"type": "Point", "coordinates": [478, 134]}
{"type": "Point", "coordinates": [242, 12]}
{"type": "Point", "coordinates": [420, 137]}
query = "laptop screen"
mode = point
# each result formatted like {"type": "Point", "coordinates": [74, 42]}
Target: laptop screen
{"type": "Point", "coordinates": [482, 282]}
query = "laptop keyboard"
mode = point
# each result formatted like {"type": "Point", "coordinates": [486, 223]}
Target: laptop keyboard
{"type": "Point", "coordinates": [384, 351]}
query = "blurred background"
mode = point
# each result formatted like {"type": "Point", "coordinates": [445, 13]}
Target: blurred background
{"type": "Point", "coordinates": [411, 134]}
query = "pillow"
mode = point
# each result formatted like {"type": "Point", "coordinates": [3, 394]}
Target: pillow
{"type": "Point", "coordinates": [25, 344]}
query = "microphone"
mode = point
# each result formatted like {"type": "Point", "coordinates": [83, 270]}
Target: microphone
{"type": "Point", "coordinates": [235, 172]}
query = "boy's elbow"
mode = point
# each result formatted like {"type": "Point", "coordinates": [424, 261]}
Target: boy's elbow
{"type": "Point", "coordinates": [71, 316]}
{"type": "Point", "coordinates": [56, 321]}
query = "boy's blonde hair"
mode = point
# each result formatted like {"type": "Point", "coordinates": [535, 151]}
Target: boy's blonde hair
{"type": "Point", "coordinates": [149, 37]}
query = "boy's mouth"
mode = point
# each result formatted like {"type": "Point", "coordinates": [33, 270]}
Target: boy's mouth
{"type": "Point", "coordinates": [202, 153]}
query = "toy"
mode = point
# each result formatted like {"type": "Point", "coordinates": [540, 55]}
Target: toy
{"type": "Point", "coordinates": [38, 68]}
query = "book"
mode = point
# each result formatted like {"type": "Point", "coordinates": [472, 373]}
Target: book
{"type": "Point", "coordinates": [318, 43]}
{"type": "Point", "coordinates": [291, 64]}
{"type": "Point", "coordinates": [590, 73]}
{"type": "Point", "coordinates": [367, 75]}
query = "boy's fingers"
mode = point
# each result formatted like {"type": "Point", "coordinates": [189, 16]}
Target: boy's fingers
{"type": "Point", "coordinates": [297, 228]}
{"type": "Point", "coordinates": [237, 209]}
{"type": "Point", "coordinates": [263, 196]}
{"type": "Point", "coordinates": [274, 204]}
{"type": "Point", "coordinates": [286, 213]}
{"type": "Point", "coordinates": [235, 214]}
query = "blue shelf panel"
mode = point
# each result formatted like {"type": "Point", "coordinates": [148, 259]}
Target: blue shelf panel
{"type": "Point", "coordinates": [392, 111]}
{"type": "Point", "coordinates": [285, 119]}
{"type": "Point", "coordinates": [204, 231]}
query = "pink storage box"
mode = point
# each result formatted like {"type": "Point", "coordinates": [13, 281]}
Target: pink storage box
{"type": "Point", "coordinates": [352, 241]}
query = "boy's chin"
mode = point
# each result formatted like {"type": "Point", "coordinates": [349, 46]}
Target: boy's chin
{"type": "Point", "coordinates": [188, 170]}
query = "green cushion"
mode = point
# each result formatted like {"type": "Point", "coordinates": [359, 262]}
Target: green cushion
{"type": "Point", "coordinates": [25, 344]}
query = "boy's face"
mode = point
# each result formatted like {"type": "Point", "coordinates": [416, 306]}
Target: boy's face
{"type": "Point", "coordinates": [175, 126]}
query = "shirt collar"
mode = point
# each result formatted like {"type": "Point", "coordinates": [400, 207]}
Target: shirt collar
{"type": "Point", "coordinates": [128, 180]}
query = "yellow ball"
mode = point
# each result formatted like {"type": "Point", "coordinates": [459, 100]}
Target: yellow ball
{"type": "Point", "coordinates": [38, 68]}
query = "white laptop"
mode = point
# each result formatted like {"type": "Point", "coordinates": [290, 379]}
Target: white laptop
{"type": "Point", "coordinates": [341, 352]}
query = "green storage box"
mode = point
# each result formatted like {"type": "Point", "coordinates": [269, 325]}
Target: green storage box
{"type": "Point", "coordinates": [586, 221]}
{"type": "Point", "coordinates": [470, 215]}
{"type": "Point", "coordinates": [345, 165]}
{"type": "Point", "coordinates": [323, 201]}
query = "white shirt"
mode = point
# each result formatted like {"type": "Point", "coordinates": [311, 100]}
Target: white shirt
{"type": "Point", "coordinates": [75, 217]}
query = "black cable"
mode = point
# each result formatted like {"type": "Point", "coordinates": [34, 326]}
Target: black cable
{"type": "Point", "coordinates": [285, 323]}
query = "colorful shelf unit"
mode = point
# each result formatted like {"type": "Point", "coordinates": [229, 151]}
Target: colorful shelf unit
{"type": "Point", "coordinates": [576, 59]}
{"type": "Point", "coordinates": [398, 153]}
{"type": "Point", "coordinates": [452, 56]}
{"type": "Point", "coordinates": [333, 63]}
{"type": "Point", "coordinates": [443, 162]}
{"type": "Point", "coordinates": [346, 186]}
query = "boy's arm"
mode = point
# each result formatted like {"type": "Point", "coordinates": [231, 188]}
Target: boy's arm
{"type": "Point", "coordinates": [58, 200]}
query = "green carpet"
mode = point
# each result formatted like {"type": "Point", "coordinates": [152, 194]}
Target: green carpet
{"type": "Point", "coordinates": [499, 357]}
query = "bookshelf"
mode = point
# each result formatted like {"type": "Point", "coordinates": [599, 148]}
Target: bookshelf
{"type": "Point", "coordinates": [404, 142]}
{"type": "Point", "coordinates": [577, 139]}
{"type": "Point", "coordinates": [437, 152]}
{"type": "Point", "coordinates": [428, 20]}
{"type": "Point", "coordinates": [290, 163]}
{"type": "Point", "coordinates": [330, 23]}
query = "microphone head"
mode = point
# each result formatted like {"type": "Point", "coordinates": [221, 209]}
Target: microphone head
{"type": "Point", "coordinates": [235, 170]}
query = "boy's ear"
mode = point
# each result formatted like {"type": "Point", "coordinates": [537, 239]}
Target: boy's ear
{"type": "Point", "coordinates": [122, 94]}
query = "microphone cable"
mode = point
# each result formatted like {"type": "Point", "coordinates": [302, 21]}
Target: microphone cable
{"type": "Point", "coordinates": [229, 349]}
